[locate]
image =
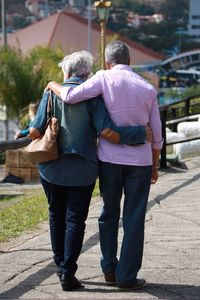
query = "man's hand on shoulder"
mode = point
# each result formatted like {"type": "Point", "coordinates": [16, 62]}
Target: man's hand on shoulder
{"type": "Point", "coordinates": [54, 86]}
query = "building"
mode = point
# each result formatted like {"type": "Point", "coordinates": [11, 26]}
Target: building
{"type": "Point", "coordinates": [70, 31]}
{"type": "Point", "coordinates": [180, 71]}
{"type": "Point", "coordinates": [44, 8]}
{"type": "Point", "coordinates": [38, 7]}
{"type": "Point", "coordinates": [77, 3]}
{"type": "Point", "coordinates": [194, 19]}
{"type": "Point", "coordinates": [135, 20]}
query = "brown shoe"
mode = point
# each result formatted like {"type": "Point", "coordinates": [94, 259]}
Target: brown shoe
{"type": "Point", "coordinates": [110, 278]}
{"type": "Point", "coordinates": [139, 284]}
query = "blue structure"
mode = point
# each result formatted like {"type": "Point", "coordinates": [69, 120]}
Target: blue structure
{"type": "Point", "coordinates": [184, 61]}
{"type": "Point", "coordinates": [177, 73]}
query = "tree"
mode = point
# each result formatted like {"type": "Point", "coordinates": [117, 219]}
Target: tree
{"type": "Point", "coordinates": [134, 5]}
{"type": "Point", "coordinates": [164, 37]}
{"type": "Point", "coordinates": [23, 78]}
{"type": "Point", "coordinates": [155, 36]}
{"type": "Point", "coordinates": [175, 11]}
{"type": "Point", "coordinates": [14, 81]}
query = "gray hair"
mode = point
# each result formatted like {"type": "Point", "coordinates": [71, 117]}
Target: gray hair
{"type": "Point", "coordinates": [77, 64]}
{"type": "Point", "coordinates": [117, 52]}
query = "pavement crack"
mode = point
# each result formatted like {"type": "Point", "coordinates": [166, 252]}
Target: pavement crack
{"type": "Point", "coordinates": [27, 269]}
{"type": "Point", "coordinates": [22, 250]}
{"type": "Point", "coordinates": [180, 217]}
{"type": "Point", "coordinates": [23, 242]}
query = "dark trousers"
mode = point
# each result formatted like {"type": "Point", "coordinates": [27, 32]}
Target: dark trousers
{"type": "Point", "coordinates": [134, 181]}
{"type": "Point", "coordinates": [68, 210]}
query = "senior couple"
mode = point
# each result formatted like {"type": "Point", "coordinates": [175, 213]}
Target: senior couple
{"type": "Point", "coordinates": [116, 130]}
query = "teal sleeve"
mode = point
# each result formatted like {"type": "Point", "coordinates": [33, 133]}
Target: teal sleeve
{"type": "Point", "coordinates": [131, 135]}
{"type": "Point", "coordinates": [24, 132]}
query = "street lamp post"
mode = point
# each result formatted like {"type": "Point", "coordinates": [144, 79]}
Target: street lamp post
{"type": "Point", "coordinates": [3, 15]}
{"type": "Point", "coordinates": [89, 25]}
{"type": "Point", "coordinates": [102, 8]}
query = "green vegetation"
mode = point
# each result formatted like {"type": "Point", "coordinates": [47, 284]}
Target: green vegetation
{"type": "Point", "coordinates": [181, 95]}
{"type": "Point", "coordinates": [23, 78]}
{"type": "Point", "coordinates": [23, 213]}
{"type": "Point", "coordinates": [162, 37]}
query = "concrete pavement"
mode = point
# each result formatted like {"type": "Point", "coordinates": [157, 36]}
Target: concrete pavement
{"type": "Point", "coordinates": [171, 263]}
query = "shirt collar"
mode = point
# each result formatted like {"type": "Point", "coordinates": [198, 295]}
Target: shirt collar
{"type": "Point", "coordinates": [122, 67]}
{"type": "Point", "coordinates": [75, 79]}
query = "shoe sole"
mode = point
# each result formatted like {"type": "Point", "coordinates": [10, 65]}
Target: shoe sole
{"type": "Point", "coordinates": [111, 283]}
{"type": "Point", "coordinates": [132, 288]}
{"type": "Point", "coordinates": [68, 289]}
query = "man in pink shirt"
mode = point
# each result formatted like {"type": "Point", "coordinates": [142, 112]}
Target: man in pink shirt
{"type": "Point", "coordinates": [126, 169]}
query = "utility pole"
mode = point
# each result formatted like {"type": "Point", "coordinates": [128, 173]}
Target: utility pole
{"type": "Point", "coordinates": [4, 33]}
{"type": "Point", "coordinates": [89, 25]}
{"type": "Point", "coordinates": [3, 22]}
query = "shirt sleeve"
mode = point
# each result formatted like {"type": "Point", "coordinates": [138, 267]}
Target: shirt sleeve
{"type": "Point", "coordinates": [155, 123]}
{"type": "Point", "coordinates": [131, 135]}
{"type": "Point", "coordinates": [24, 132]}
{"type": "Point", "coordinates": [87, 90]}
{"type": "Point", "coordinates": [40, 120]}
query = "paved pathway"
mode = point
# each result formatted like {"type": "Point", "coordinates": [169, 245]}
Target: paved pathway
{"type": "Point", "coordinates": [171, 263]}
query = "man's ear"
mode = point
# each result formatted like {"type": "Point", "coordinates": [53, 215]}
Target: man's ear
{"type": "Point", "coordinates": [108, 66]}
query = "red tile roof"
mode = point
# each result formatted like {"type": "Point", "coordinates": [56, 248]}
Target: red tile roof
{"type": "Point", "coordinates": [70, 31]}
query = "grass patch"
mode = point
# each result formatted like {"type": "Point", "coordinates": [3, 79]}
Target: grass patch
{"type": "Point", "coordinates": [22, 216]}
{"type": "Point", "coordinates": [24, 213]}
{"type": "Point", "coordinates": [96, 191]}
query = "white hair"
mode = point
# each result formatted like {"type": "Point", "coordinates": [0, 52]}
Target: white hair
{"type": "Point", "coordinates": [77, 64]}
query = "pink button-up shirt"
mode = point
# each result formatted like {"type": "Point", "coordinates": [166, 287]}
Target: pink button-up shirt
{"type": "Point", "coordinates": [130, 100]}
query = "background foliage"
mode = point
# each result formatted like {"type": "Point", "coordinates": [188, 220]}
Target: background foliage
{"type": "Point", "coordinates": [23, 78]}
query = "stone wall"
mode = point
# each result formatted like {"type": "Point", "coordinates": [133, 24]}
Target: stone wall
{"type": "Point", "coordinates": [19, 165]}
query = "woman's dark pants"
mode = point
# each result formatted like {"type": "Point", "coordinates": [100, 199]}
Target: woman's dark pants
{"type": "Point", "coordinates": [68, 210]}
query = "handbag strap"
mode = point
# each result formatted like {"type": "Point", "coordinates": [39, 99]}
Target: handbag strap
{"type": "Point", "coordinates": [50, 112]}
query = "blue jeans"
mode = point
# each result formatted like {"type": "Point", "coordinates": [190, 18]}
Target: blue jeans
{"type": "Point", "coordinates": [135, 182]}
{"type": "Point", "coordinates": [68, 210]}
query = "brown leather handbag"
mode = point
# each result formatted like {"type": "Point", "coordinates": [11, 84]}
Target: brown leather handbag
{"type": "Point", "coordinates": [44, 148]}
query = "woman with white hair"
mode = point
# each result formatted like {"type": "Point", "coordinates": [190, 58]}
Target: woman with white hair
{"type": "Point", "coordinates": [69, 181]}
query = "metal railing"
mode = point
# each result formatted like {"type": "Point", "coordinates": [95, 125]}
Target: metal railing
{"type": "Point", "coordinates": [174, 113]}
{"type": "Point", "coordinates": [171, 115]}
{"type": "Point", "coordinates": [14, 144]}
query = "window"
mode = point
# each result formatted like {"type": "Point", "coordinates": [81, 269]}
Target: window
{"type": "Point", "coordinates": [195, 26]}
{"type": "Point", "coordinates": [195, 57]}
{"type": "Point", "coordinates": [195, 36]}
{"type": "Point", "coordinates": [196, 17]}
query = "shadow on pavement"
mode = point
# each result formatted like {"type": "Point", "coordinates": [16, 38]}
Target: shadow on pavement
{"type": "Point", "coordinates": [160, 198]}
{"type": "Point", "coordinates": [162, 291]}
{"type": "Point", "coordinates": [29, 283]}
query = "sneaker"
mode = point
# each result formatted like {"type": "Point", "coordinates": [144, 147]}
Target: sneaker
{"type": "Point", "coordinates": [70, 284]}
{"type": "Point", "coordinates": [110, 278]}
{"type": "Point", "coordinates": [139, 284]}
